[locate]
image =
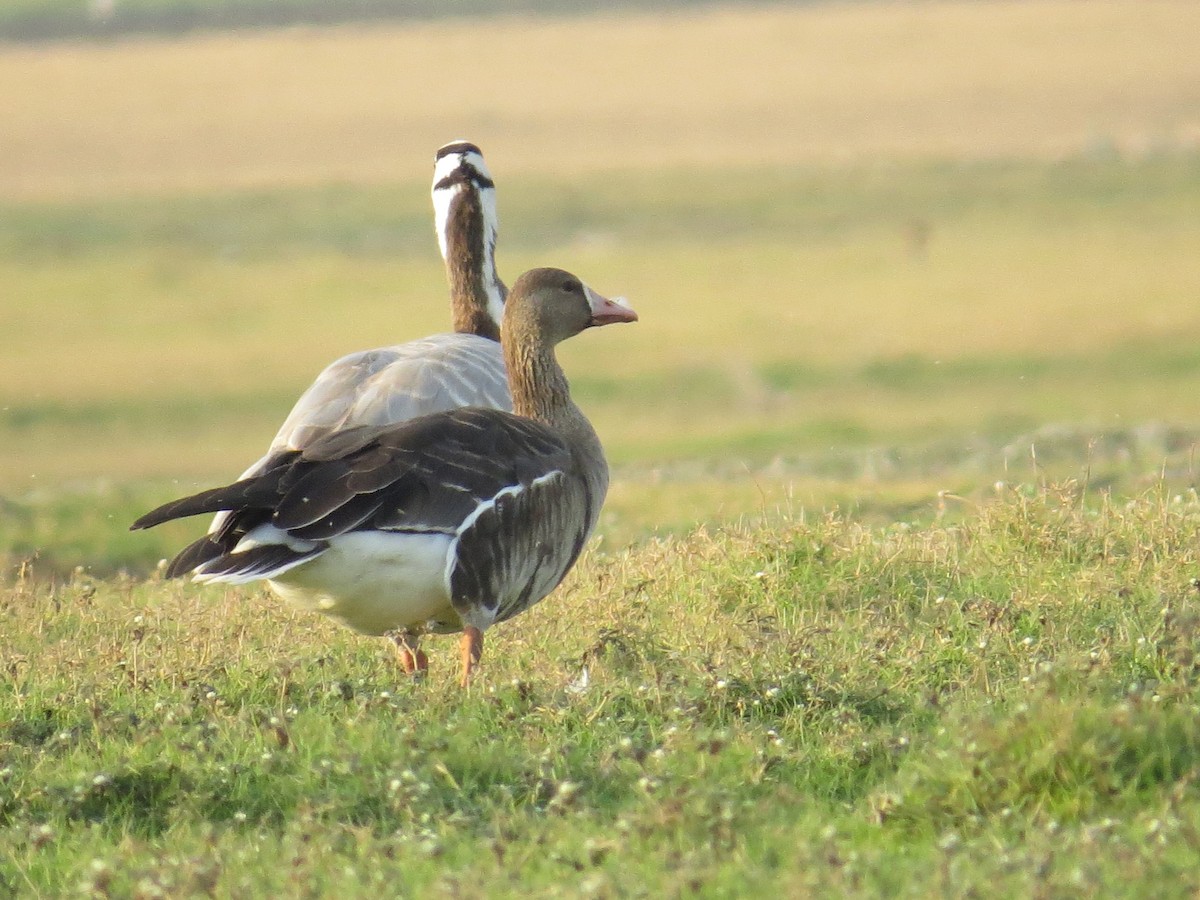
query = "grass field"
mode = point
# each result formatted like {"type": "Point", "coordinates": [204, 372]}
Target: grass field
{"type": "Point", "coordinates": [1006, 707]}
{"type": "Point", "coordinates": [894, 593]}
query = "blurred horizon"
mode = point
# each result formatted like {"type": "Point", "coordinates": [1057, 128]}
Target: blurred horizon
{"type": "Point", "coordinates": [738, 86]}
{"type": "Point", "coordinates": [53, 20]}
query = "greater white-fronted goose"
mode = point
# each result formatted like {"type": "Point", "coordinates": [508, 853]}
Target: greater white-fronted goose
{"type": "Point", "coordinates": [451, 521]}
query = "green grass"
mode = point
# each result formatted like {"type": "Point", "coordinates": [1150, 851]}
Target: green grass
{"type": "Point", "coordinates": [1002, 703]}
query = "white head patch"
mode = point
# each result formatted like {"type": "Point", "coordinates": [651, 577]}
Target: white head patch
{"type": "Point", "coordinates": [471, 168]}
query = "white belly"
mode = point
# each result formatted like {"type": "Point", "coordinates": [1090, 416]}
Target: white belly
{"type": "Point", "coordinates": [376, 582]}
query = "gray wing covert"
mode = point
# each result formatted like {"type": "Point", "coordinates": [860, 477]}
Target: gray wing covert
{"type": "Point", "coordinates": [395, 384]}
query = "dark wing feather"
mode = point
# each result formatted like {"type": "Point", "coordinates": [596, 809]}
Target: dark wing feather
{"type": "Point", "coordinates": [194, 555]}
{"type": "Point", "coordinates": [250, 492]}
{"type": "Point", "coordinates": [317, 490]}
{"type": "Point", "coordinates": [428, 474]}
{"type": "Point", "coordinates": [518, 550]}
{"type": "Point", "coordinates": [344, 518]}
{"type": "Point", "coordinates": [262, 561]}
{"type": "Point", "coordinates": [344, 443]}
{"type": "Point", "coordinates": [470, 457]}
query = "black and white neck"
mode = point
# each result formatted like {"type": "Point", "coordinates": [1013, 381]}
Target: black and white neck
{"type": "Point", "coordinates": [464, 204]}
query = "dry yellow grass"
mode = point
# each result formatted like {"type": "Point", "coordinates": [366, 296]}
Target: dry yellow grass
{"type": "Point", "coordinates": [772, 84]}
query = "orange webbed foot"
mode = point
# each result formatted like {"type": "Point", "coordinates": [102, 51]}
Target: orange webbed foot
{"type": "Point", "coordinates": [472, 652]}
{"type": "Point", "coordinates": [412, 658]}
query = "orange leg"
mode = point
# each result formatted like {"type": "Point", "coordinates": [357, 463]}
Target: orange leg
{"type": "Point", "coordinates": [412, 658]}
{"type": "Point", "coordinates": [472, 650]}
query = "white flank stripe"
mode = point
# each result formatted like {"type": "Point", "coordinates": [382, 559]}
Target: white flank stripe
{"type": "Point", "coordinates": [510, 491]}
{"type": "Point", "coordinates": [485, 505]}
{"type": "Point", "coordinates": [545, 479]}
{"type": "Point", "coordinates": [412, 529]}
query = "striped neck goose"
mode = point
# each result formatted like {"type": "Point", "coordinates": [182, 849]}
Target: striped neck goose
{"type": "Point", "coordinates": [441, 372]}
{"type": "Point", "coordinates": [449, 522]}
{"type": "Point", "coordinates": [464, 208]}
{"type": "Point", "coordinates": [432, 374]}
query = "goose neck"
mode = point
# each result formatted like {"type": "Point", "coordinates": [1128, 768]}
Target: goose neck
{"type": "Point", "coordinates": [537, 382]}
{"type": "Point", "coordinates": [467, 236]}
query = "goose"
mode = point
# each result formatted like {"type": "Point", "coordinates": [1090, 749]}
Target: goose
{"type": "Point", "coordinates": [452, 521]}
{"type": "Point", "coordinates": [436, 373]}
{"type": "Point", "coordinates": [431, 374]}
{"type": "Point", "coordinates": [464, 209]}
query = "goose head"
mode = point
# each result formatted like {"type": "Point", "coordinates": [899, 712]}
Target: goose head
{"type": "Point", "coordinates": [464, 204]}
{"type": "Point", "coordinates": [547, 306]}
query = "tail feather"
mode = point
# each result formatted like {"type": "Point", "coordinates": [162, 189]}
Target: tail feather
{"type": "Point", "coordinates": [254, 564]}
{"type": "Point", "coordinates": [231, 496]}
{"type": "Point", "coordinates": [193, 556]}
{"type": "Point", "coordinates": [259, 490]}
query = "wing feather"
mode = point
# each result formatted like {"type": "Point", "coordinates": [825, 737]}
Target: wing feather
{"type": "Point", "coordinates": [432, 474]}
{"type": "Point", "coordinates": [517, 549]}
{"type": "Point", "coordinates": [263, 561]}
{"type": "Point", "coordinates": [396, 384]}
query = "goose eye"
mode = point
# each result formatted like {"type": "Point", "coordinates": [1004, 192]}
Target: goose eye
{"type": "Point", "coordinates": [573, 286]}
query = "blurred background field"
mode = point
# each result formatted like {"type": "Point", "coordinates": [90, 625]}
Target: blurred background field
{"type": "Point", "coordinates": [773, 86]}
{"type": "Point", "coordinates": [885, 254]}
